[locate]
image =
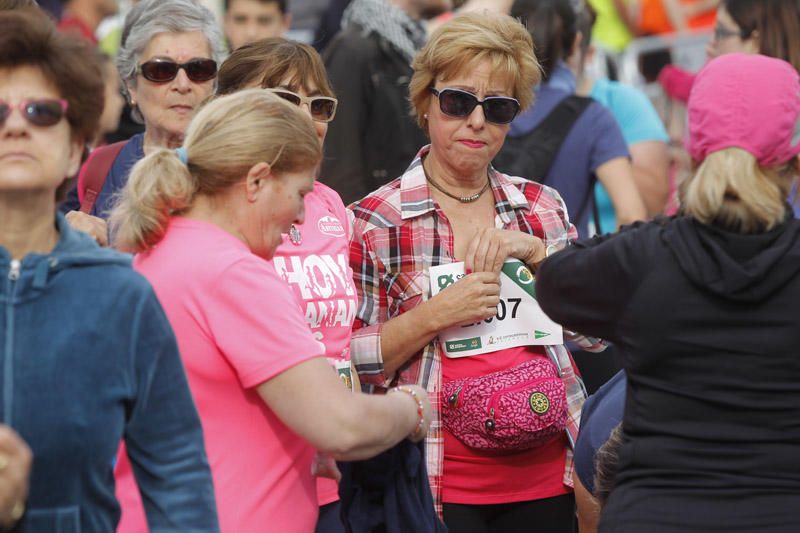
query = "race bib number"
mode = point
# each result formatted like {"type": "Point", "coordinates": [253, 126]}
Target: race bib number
{"type": "Point", "coordinates": [519, 320]}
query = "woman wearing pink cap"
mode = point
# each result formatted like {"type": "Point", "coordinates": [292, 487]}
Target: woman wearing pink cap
{"type": "Point", "coordinates": [703, 309]}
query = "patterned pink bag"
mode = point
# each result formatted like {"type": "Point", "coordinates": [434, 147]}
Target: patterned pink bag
{"type": "Point", "coordinates": [508, 411]}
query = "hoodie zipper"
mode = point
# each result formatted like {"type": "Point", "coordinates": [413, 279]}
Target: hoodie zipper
{"type": "Point", "coordinates": [8, 359]}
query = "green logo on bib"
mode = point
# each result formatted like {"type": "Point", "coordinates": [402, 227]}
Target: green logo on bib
{"type": "Point", "coordinates": [445, 280]}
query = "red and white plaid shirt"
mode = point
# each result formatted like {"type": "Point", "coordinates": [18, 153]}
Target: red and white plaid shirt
{"type": "Point", "coordinates": [399, 232]}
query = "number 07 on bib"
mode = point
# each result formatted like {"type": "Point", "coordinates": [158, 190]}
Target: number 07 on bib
{"type": "Point", "coordinates": [519, 320]}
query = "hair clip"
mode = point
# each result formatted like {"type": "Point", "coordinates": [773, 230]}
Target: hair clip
{"type": "Point", "coordinates": [182, 155]}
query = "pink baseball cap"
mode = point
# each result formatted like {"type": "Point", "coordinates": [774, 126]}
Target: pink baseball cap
{"type": "Point", "coordinates": [746, 101]}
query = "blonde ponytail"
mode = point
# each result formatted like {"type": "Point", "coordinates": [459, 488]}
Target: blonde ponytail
{"type": "Point", "coordinates": [225, 139]}
{"type": "Point", "coordinates": [159, 186]}
{"type": "Point", "coordinates": [730, 188]}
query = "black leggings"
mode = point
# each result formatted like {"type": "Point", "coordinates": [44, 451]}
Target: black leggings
{"type": "Point", "coordinates": [551, 515]}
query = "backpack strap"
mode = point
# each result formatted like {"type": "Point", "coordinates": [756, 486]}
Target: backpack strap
{"type": "Point", "coordinates": [532, 155]}
{"type": "Point", "coordinates": [94, 173]}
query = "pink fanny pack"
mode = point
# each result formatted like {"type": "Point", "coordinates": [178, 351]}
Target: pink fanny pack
{"type": "Point", "coordinates": [507, 411]}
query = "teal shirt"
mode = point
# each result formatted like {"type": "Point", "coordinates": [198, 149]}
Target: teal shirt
{"type": "Point", "coordinates": [638, 120]}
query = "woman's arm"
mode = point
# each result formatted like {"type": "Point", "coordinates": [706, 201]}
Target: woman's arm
{"type": "Point", "coordinates": [311, 400]}
{"type": "Point", "coordinates": [650, 166]}
{"type": "Point", "coordinates": [586, 508]}
{"type": "Point", "coordinates": [617, 178]}
{"type": "Point", "coordinates": [380, 344]}
{"type": "Point", "coordinates": [14, 475]}
{"type": "Point", "coordinates": [471, 299]}
{"type": "Point", "coordinates": [676, 14]}
{"type": "Point", "coordinates": [586, 287]}
{"type": "Point", "coordinates": [627, 12]}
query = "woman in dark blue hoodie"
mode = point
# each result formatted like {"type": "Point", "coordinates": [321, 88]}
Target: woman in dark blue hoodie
{"type": "Point", "coordinates": [87, 357]}
{"type": "Point", "coordinates": [703, 310]}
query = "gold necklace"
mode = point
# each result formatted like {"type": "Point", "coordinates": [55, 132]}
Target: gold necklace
{"type": "Point", "coordinates": [463, 199]}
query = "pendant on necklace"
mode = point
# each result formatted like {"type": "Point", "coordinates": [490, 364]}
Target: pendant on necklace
{"type": "Point", "coordinates": [295, 236]}
{"type": "Point", "coordinates": [470, 199]}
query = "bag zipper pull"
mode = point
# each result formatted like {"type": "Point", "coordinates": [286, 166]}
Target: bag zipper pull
{"type": "Point", "coordinates": [452, 400]}
{"type": "Point", "coordinates": [489, 424]}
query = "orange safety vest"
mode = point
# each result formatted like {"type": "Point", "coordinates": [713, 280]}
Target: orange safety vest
{"type": "Point", "coordinates": [653, 18]}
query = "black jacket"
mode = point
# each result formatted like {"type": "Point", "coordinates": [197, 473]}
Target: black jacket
{"type": "Point", "coordinates": [373, 138]}
{"type": "Point", "coordinates": [707, 324]}
{"type": "Point", "coordinates": [389, 493]}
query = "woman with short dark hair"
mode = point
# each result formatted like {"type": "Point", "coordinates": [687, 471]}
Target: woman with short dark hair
{"type": "Point", "coordinates": [88, 356]}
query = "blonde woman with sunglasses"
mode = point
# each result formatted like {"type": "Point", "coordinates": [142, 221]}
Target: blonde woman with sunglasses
{"type": "Point", "coordinates": [472, 78]}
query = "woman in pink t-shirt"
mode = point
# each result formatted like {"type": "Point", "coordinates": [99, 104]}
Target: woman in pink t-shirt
{"type": "Point", "coordinates": [205, 219]}
{"type": "Point", "coordinates": [314, 256]}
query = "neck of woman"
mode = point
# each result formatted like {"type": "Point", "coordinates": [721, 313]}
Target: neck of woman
{"type": "Point", "coordinates": [455, 182]}
{"type": "Point", "coordinates": [215, 210]}
{"type": "Point", "coordinates": [27, 222]}
{"type": "Point", "coordinates": [155, 138]}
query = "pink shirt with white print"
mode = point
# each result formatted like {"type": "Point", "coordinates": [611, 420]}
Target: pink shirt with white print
{"type": "Point", "coordinates": [318, 271]}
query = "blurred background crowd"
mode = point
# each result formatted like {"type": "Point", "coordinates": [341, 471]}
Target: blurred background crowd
{"type": "Point", "coordinates": [647, 49]}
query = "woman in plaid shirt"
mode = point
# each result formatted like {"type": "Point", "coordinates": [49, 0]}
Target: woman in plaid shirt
{"type": "Point", "coordinates": [471, 79]}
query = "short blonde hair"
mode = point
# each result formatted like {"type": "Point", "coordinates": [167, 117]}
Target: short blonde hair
{"type": "Point", "coordinates": [730, 188]}
{"type": "Point", "coordinates": [469, 39]}
{"type": "Point", "coordinates": [224, 140]}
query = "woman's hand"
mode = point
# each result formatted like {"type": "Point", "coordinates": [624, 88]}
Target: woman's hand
{"type": "Point", "coordinates": [324, 465]}
{"type": "Point", "coordinates": [91, 225]}
{"type": "Point", "coordinates": [491, 247]}
{"type": "Point", "coordinates": [15, 467]}
{"type": "Point", "coordinates": [469, 300]}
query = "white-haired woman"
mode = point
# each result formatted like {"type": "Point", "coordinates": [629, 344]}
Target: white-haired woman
{"type": "Point", "coordinates": [168, 63]}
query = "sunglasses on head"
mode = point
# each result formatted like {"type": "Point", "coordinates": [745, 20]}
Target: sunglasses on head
{"type": "Point", "coordinates": [39, 112]}
{"type": "Point", "coordinates": [323, 108]}
{"type": "Point", "coordinates": [164, 70]}
{"type": "Point", "coordinates": [459, 104]}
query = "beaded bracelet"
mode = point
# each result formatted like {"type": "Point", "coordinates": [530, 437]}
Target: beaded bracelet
{"type": "Point", "coordinates": [419, 431]}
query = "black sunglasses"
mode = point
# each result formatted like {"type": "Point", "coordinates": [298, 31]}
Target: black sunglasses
{"type": "Point", "coordinates": [459, 104]}
{"type": "Point", "coordinates": [164, 70]}
{"type": "Point", "coordinates": [42, 112]}
{"type": "Point", "coordinates": [323, 108]}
